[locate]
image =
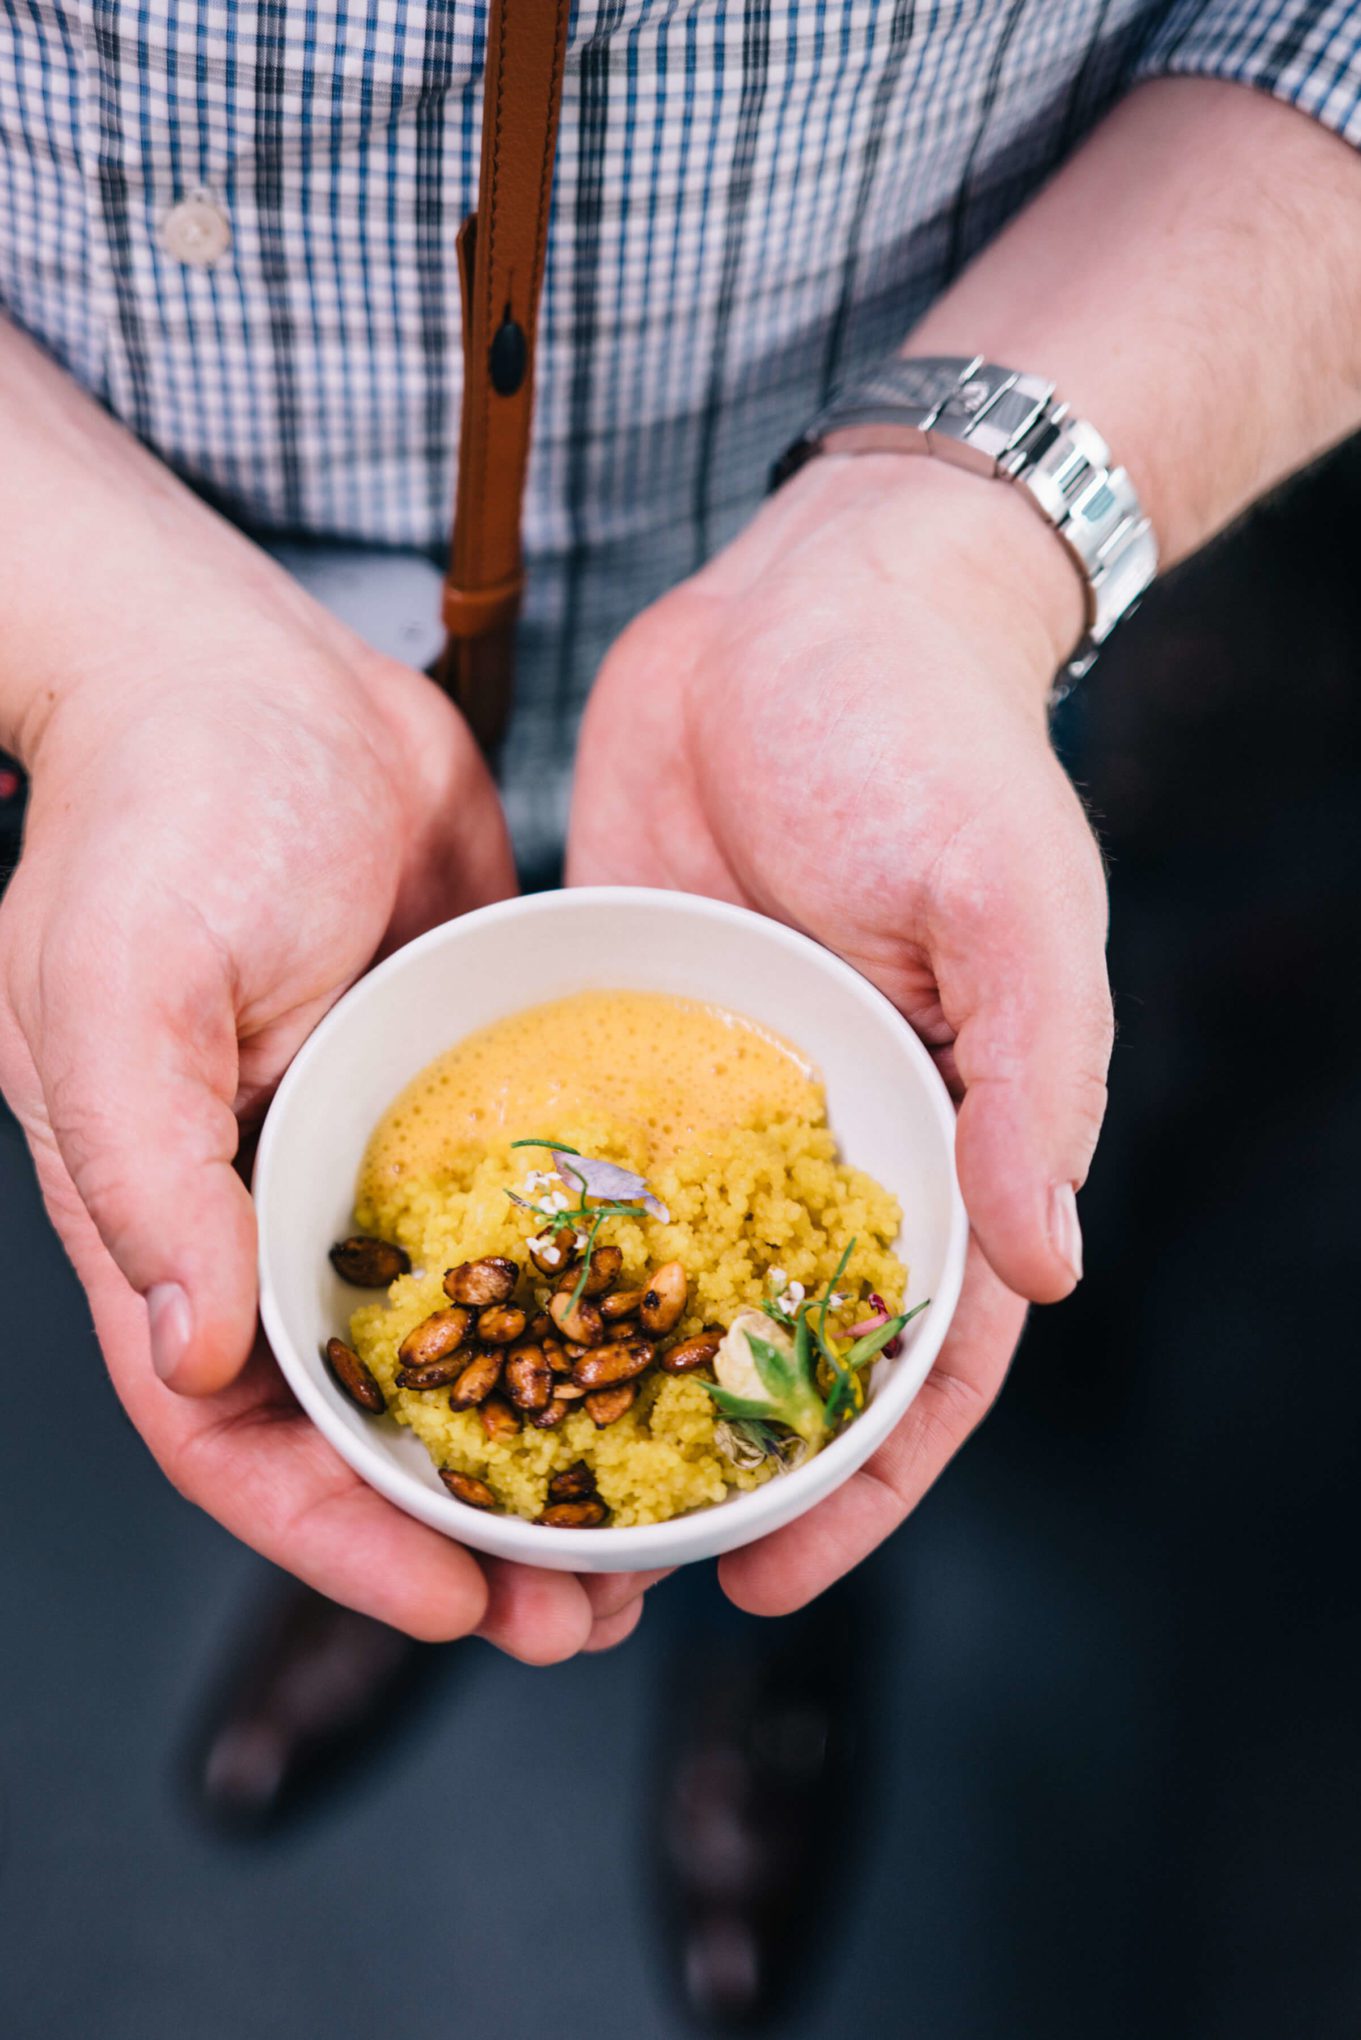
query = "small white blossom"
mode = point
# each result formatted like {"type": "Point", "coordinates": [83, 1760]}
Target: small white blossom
{"type": "Point", "coordinates": [776, 1277]}
{"type": "Point", "coordinates": [557, 1202]}
{"type": "Point", "coordinates": [790, 1299]}
{"type": "Point", "coordinates": [837, 1296]}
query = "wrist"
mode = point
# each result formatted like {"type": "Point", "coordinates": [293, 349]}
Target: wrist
{"type": "Point", "coordinates": [121, 591]}
{"type": "Point", "coordinates": [240, 632]}
{"type": "Point", "coordinates": [974, 541]}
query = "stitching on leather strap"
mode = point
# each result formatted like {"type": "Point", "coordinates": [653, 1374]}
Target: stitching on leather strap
{"type": "Point", "coordinates": [497, 29]}
{"type": "Point", "coordinates": [522, 94]}
{"type": "Point", "coordinates": [546, 164]}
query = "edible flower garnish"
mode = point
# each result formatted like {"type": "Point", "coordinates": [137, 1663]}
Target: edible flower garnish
{"type": "Point", "coordinates": [871, 1324]}
{"type": "Point", "coordinates": [795, 1372]}
{"type": "Point", "coordinates": [610, 1186]}
{"type": "Point", "coordinates": [595, 1178]}
{"type": "Point", "coordinates": [780, 1305]}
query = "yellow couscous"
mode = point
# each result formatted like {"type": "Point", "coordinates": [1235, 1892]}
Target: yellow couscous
{"type": "Point", "coordinates": [751, 1183]}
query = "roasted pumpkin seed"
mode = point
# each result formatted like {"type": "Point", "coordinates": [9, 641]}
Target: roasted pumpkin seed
{"type": "Point", "coordinates": [552, 1252]}
{"type": "Point", "coordinates": [465, 1487]}
{"type": "Point", "coordinates": [549, 1417]}
{"type": "Point", "coordinates": [557, 1356]}
{"type": "Point", "coordinates": [609, 1365]}
{"type": "Point", "coordinates": [581, 1323]}
{"type": "Point", "coordinates": [501, 1325]}
{"type": "Point", "coordinates": [443, 1332]}
{"type": "Point", "coordinates": [498, 1418]}
{"type": "Point", "coordinates": [664, 1300]}
{"type": "Point", "coordinates": [573, 1484]}
{"type": "Point", "coordinates": [606, 1405]}
{"type": "Point", "coordinates": [692, 1353]}
{"type": "Point", "coordinates": [606, 1263]}
{"type": "Point", "coordinates": [437, 1374]}
{"type": "Point", "coordinates": [528, 1378]}
{"type": "Point", "coordinates": [478, 1283]}
{"type": "Point", "coordinates": [587, 1515]}
{"type": "Point", "coordinates": [355, 1378]}
{"type": "Point", "coordinates": [369, 1263]}
{"type": "Point", "coordinates": [477, 1380]}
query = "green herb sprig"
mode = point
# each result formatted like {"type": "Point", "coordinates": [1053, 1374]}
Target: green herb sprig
{"type": "Point", "coordinates": [773, 1309]}
{"type": "Point", "coordinates": [582, 1214]}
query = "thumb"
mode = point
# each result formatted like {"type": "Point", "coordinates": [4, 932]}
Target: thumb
{"type": "Point", "coordinates": [138, 1082]}
{"type": "Point", "coordinates": [1022, 977]}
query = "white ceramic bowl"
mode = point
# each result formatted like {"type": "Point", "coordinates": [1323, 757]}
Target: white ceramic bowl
{"type": "Point", "coordinates": [888, 1107]}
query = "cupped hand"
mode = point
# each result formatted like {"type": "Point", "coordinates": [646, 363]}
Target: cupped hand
{"type": "Point", "coordinates": [235, 807]}
{"type": "Point", "coordinates": [841, 721]}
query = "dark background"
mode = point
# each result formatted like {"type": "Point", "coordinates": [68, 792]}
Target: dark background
{"type": "Point", "coordinates": [1111, 1765]}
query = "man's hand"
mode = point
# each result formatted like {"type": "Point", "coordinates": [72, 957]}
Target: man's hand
{"type": "Point", "coordinates": [210, 861]}
{"type": "Point", "coordinates": [841, 722]}
{"type": "Point", "coordinates": [236, 805]}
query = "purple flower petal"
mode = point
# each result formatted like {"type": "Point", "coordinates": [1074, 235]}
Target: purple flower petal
{"type": "Point", "coordinates": [895, 1344]}
{"type": "Point", "coordinates": [608, 1181]}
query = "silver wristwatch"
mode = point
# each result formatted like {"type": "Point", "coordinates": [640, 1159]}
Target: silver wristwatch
{"type": "Point", "coordinates": [997, 422]}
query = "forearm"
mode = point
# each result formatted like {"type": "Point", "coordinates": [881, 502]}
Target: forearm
{"type": "Point", "coordinates": [1189, 282]}
{"type": "Point", "coordinates": [109, 565]}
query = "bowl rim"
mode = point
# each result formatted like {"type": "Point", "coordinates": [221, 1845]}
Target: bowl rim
{"type": "Point", "coordinates": [748, 1515]}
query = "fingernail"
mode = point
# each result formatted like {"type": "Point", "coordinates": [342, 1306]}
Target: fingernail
{"type": "Point", "coordinates": [1065, 1233]}
{"type": "Point", "coordinates": [171, 1329]}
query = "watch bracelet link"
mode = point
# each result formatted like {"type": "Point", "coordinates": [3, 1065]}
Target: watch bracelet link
{"type": "Point", "coordinates": [996, 421]}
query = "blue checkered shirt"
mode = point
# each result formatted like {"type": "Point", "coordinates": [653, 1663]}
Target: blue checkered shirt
{"type": "Point", "coordinates": [754, 199]}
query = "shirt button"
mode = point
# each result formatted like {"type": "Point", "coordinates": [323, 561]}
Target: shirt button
{"type": "Point", "coordinates": [196, 231]}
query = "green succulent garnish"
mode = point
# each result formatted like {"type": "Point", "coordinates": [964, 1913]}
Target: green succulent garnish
{"type": "Point", "coordinates": [794, 1395]}
{"type": "Point", "coordinates": [790, 1387]}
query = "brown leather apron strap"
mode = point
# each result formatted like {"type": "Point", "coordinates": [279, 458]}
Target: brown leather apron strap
{"type": "Point", "coordinates": [501, 257]}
